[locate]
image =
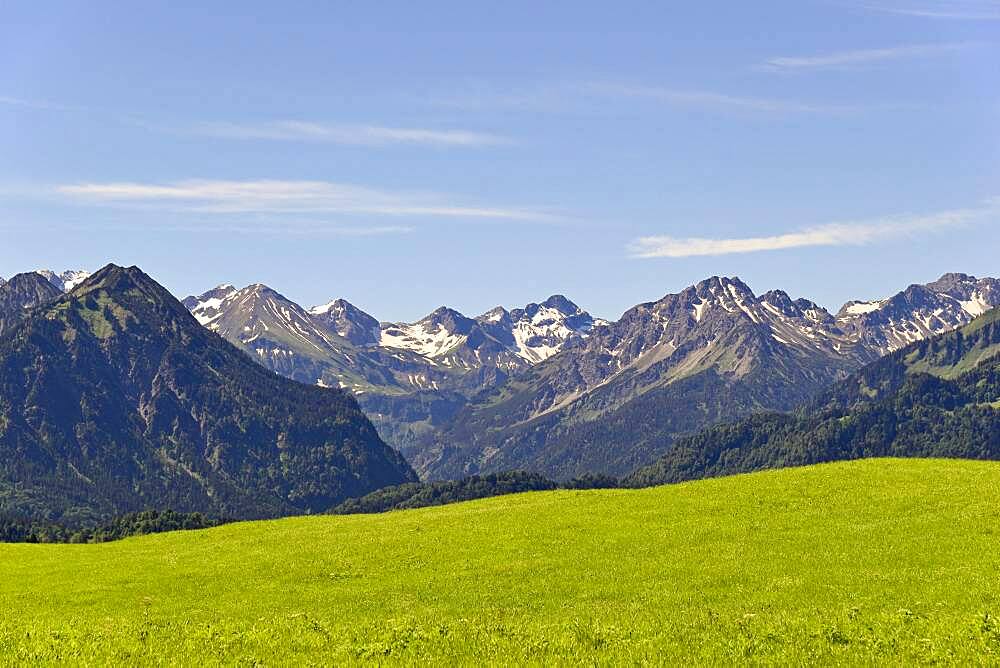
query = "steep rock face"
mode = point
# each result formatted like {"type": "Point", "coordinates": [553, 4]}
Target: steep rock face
{"type": "Point", "coordinates": [113, 398]}
{"type": "Point", "coordinates": [21, 294]}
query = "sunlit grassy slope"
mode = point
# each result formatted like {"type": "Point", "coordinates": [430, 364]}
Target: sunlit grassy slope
{"type": "Point", "coordinates": [874, 560]}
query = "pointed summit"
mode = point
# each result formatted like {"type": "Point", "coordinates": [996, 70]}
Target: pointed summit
{"type": "Point", "coordinates": [951, 282]}
{"type": "Point", "coordinates": [113, 276]}
{"type": "Point", "coordinates": [561, 304]}
{"type": "Point", "coordinates": [347, 320]}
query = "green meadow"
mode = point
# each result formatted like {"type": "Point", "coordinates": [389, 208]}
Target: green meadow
{"type": "Point", "coordinates": [876, 561]}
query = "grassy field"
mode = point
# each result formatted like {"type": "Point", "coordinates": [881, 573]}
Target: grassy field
{"type": "Point", "coordinates": [882, 560]}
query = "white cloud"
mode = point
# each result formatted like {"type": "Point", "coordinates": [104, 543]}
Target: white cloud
{"type": "Point", "coordinates": [709, 99]}
{"type": "Point", "coordinates": [290, 197]}
{"type": "Point", "coordinates": [562, 96]}
{"type": "Point", "coordinates": [280, 227]}
{"type": "Point", "coordinates": [293, 130]}
{"type": "Point", "coordinates": [361, 135]}
{"type": "Point", "coordinates": [36, 104]}
{"type": "Point", "coordinates": [971, 10]}
{"type": "Point", "coordinates": [859, 57]}
{"type": "Point", "coordinates": [834, 234]}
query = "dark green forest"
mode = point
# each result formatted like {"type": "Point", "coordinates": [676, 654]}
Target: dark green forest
{"type": "Point", "coordinates": [114, 399]}
{"type": "Point", "coordinates": [422, 494]}
{"type": "Point", "coordinates": [14, 530]}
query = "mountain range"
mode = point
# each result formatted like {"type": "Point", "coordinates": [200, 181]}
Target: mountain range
{"type": "Point", "coordinates": [709, 353]}
{"type": "Point", "coordinates": [114, 399]}
{"type": "Point", "coordinates": [409, 377]}
{"type": "Point", "coordinates": [938, 397]}
{"type": "Point", "coordinates": [551, 389]}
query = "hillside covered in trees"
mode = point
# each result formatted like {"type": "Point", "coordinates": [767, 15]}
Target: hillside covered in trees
{"type": "Point", "coordinates": [114, 399]}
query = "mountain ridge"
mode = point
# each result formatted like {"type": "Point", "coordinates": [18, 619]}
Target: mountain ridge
{"type": "Point", "coordinates": [113, 398]}
{"type": "Point", "coordinates": [683, 354]}
{"type": "Point", "coordinates": [939, 397]}
{"type": "Point", "coordinates": [517, 388]}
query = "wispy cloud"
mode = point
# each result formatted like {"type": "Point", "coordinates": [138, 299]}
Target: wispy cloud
{"type": "Point", "coordinates": [598, 95]}
{"type": "Point", "coordinates": [842, 59]}
{"type": "Point", "coordinates": [278, 227]}
{"type": "Point", "coordinates": [860, 233]}
{"type": "Point", "coordinates": [360, 135]}
{"type": "Point", "coordinates": [292, 197]}
{"type": "Point", "coordinates": [291, 130]}
{"type": "Point", "coordinates": [710, 99]}
{"type": "Point", "coordinates": [968, 10]}
{"type": "Point", "coordinates": [10, 101]}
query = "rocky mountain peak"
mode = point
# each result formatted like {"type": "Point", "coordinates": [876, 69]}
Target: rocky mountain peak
{"type": "Point", "coordinates": [66, 280]}
{"type": "Point", "coordinates": [561, 304]}
{"type": "Point", "coordinates": [953, 283]}
{"type": "Point", "coordinates": [116, 278]}
{"type": "Point", "coordinates": [451, 320]}
{"type": "Point", "coordinates": [347, 320]}
{"type": "Point", "coordinates": [208, 306]}
{"type": "Point", "coordinates": [721, 286]}
{"type": "Point", "coordinates": [22, 293]}
{"type": "Point", "coordinates": [778, 301]}
{"type": "Point", "coordinates": [497, 314]}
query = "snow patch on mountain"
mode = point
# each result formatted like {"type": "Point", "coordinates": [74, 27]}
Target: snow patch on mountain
{"type": "Point", "coordinates": [430, 341]}
{"type": "Point", "coordinates": [210, 306]}
{"type": "Point", "coordinates": [860, 308]}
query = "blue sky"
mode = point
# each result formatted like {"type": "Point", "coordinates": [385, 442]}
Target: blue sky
{"type": "Point", "coordinates": [408, 155]}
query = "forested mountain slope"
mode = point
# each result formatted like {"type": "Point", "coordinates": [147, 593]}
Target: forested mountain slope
{"type": "Point", "coordinates": [114, 399]}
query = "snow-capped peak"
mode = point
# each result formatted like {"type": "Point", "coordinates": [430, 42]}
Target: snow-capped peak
{"type": "Point", "coordinates": [539, 331]}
